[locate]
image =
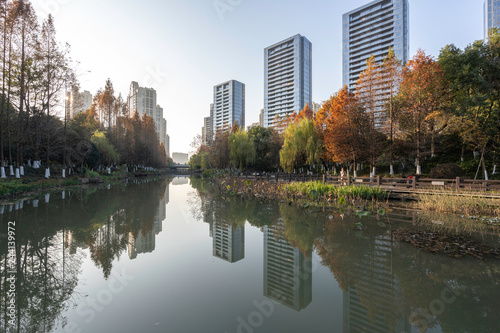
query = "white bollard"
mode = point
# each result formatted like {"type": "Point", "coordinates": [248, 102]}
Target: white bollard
{"type": "Point", "coordinates": [109, 171]}
{"type": "Point", "coordinates": [21, 170]}
{"type": "Point", "coordinates": [29, 163]}
{"type": "Point", "coordinates": [64, 195]}
{"type": "Point", "coordinates": [21, 204]}
{"type": "Point", "coordinates": [2, 209]}
{"type": "Point", "coordinates": [47, 198]}
{"type": "Point", "coordinates": [419, 170]}
{"type": "Point", "coordinates": [18, 175]}
{"type": "Point", "coordinates": [11, 169]}
{"type": "Point", "coordinates": [374, 173]}
{"type": "Point", "coordinates": [64, 173]}
{"type": "Point", "coordinates": [494, 170]}
{"type": "Point", "coordinates": [2, 173]}
{"type": "Point", "coordinates": [47, 173]}
{"type": "Point", "coordinates": [486, 175]}
{"type": "Point", "coordinates": [355, 174]}
{"type": "Point", "coordinates": [392, 169]}
{"type": "Point", "coordinates": [35, 203]}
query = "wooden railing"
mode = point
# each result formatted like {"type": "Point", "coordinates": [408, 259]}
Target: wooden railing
{"type": "Point", "coordinates": [400, 184]}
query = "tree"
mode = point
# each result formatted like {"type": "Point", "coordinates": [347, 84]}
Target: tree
{"type": "Point", "coordinates": [241, 149]}
{"type": "Point", "coordinates": [421, 93]}
{"type": "Point", "coordinates": [305, 113]}
{"type": "Point", "coordinates": [390, 81]}
{"type": "Point", "coordinates": [370, 96]}
{"type": "Point", "coordinates": [268, 143]}
{"type": "Point", "coordinates": [474, 85]}
{"type": "Point", "coordinates": [107, 105]}
{"type": "Point", "coordinates": [344, 124]}
{"type": "Point", "coordinates": [106, 150]}
{"type": "Point", "coordinates": [302, 145]}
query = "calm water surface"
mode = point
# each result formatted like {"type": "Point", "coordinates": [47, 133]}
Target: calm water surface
{"type": "Point", "coordinates": [173, 256]}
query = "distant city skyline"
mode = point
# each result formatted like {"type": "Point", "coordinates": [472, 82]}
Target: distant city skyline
{"type": "Point", "coordinates": [183, 48]}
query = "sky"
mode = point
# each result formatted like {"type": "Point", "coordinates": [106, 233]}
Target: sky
{"type": "Point", "coordinates": [182, 48]}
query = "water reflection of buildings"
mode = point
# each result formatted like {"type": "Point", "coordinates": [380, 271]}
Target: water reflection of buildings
{"type": "Point", "coordinates": [371, 303]}
{"type": "Point", "coordinates": [228, 241]}
{"type": "Point", "coordinates": [146, 243]}
{"type": "Point", "coordinates": [287, 272]}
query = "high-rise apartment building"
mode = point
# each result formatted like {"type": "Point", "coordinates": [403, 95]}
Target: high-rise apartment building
{"type": "Point", "coordinates": [79, 102]}
{"type": "Point", "coordinates": [143, 100]}
{"type": "Point", "coordinates": [287, 78]}
{"type": "Point", "coordinates": [491, 16]}
{"type": "Point", "coordinates": [373, 29]}
{"type": "Point", "coordinates": [206, 131]}
{"type": "Point", "coordinates": [229, 105]}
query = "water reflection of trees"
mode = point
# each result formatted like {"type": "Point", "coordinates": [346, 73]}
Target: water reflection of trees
{"type": "Point", "coordinates": [396, 284]}
{"type": "Point", "coordinates": [387, 285]}
{"type": "Point", "coordinates": [51, 239]}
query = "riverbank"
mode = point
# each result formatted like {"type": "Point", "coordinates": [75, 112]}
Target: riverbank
{"type": "Point", "coordinates": [10, 188]}
{"type": "Point", "coordinates": [305, 194]}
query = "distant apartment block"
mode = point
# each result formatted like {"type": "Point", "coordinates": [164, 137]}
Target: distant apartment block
{"type": "Point", "coordinates": [287, 78]}
{"type": "Point", "coordinates": [315, 107]}
{"type": "Point", "coordinates": [261, 118]}
{"type": "Point", "coordinates": [143, 100]}
{"type": "Point", "coordinates": [372, 30]}
{"type": "Point", "coordinates": [206, 131]}
{"type": "Point", "coordinates": [79, 102]}
{"type": "Point", "coordinates": [229, 105]}
{"type": "Point", "coordinates": [491, 16]}
{"type": "Point", "coordinates": [249, 127]}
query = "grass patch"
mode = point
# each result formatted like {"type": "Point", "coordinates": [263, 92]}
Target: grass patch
{"type": "Point", "coordinates": [464, 204]}
{"type": "Point", "coordinates": [317, 189]}
{"type": "Point", "coordinates": [17, 186]}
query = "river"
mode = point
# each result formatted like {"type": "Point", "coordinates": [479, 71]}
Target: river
{"type": "Point", "coordinates": [171, 255]}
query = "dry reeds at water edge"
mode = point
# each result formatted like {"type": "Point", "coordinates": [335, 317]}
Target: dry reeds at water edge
{"type": "Point", "coordinates": [466, 204]}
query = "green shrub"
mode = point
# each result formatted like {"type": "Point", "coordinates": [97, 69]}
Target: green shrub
{"type": "Point", "coordinates": [91, 174]}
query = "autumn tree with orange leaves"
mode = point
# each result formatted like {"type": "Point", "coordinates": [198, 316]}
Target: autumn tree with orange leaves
{"type": "Point", "coordinates": [343, 123]}
{"type": "Point", "coordinates": [370, 96]}
{"type": "Point", "coordinates": [421, 94]}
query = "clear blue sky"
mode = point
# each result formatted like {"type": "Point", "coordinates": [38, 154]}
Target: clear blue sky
{"type": "Point", "coordinates": [182, 48]}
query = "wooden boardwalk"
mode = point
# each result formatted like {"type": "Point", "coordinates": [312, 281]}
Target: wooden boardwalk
{"type": "Point", "coordinates": [400, 186]}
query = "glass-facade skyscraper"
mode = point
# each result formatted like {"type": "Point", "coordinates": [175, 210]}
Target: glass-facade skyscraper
{"type": "Point", "coordinates": [287, 78]}
{"type": "Point", "coordinates": [372, 30]}
{"type": "Point", "coordinates": [229, 106]}
{"type": "Point", "coordinates": [491, 16]}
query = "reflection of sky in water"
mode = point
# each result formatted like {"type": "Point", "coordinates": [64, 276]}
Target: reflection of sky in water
{"type": "Point", "coordinates": [181, 260]}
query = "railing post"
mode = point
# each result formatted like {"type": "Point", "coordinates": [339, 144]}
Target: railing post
{"type": "Point", "coordinates": [414, 184]}
{"type": "Point", "coordinates": [378, 181]}
{"type": "Point", "coordinates": [457, 184]}
{"type": "Point", "coordinates": [324, 179]}
{"type": "Point", "coordinates": [348, 180]}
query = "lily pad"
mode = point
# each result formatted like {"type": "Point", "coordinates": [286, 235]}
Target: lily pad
{"type": "Point", "coordinates": [248, 183]}
{"type": "Point", "coordinates": [382, 225]}
{"type": "Point", "coordinates": [363, 213]}
{"type": "Point", "coordinates": [381, 211]}
{"type": "Point", "coordinates": [359, 226]}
